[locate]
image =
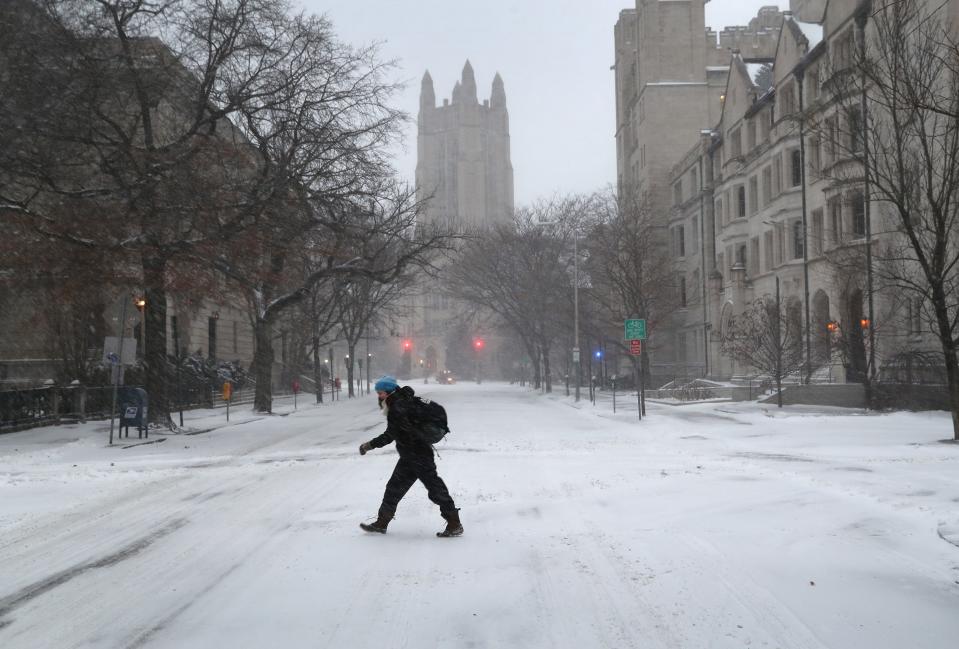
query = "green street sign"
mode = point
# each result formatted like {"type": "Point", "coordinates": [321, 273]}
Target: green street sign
{"type": "Point", "coordinates": [635, 330]}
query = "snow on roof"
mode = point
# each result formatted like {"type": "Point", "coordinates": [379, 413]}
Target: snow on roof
{"type": "Point", "coordinates": [754, 68]}
{"type": "Point", "coordinates": [812, 31]}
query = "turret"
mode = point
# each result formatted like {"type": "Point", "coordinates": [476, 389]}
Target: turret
{"type": "Point", "coordinates": [498, 97]}
{"type": "Point", "coordinates": [469, 84]}
{"type": "Point", "coordinates": [427, 94]}
{"type": "Point", "coordinates": [457, 97]}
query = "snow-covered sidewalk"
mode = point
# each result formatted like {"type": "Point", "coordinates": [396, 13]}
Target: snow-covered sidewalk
{"type": "Point", "coordinates": [708, 525]}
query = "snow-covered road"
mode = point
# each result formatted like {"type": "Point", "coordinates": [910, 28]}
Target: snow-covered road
{"type": "Point", "coordinates": [713, 525]}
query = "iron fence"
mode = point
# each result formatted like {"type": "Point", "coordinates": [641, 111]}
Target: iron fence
{"type": "Point", "coordinates": [25, 408]}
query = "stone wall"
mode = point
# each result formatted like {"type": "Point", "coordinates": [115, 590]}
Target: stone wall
{"type": "Point", "coordinates": [843, 395]}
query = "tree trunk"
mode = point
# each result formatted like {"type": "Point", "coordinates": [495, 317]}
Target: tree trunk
{"type": "Point", "coordinates": [537, 373]}
{"type": "Point", "coordinates": [263, 366]}
{"type": "Point", "coordinates": [952, 378]}
{"type": "Point", "coordinates": [637, 379]}
{"type": "Point", "coordinates": [547, 370]}
{"type": "Point", "coordinates": [531, 354]}
{"type": "Point", "coordinates": [779, 391]}
{"type": "Point", "coordinates": [154, 347]}
{"type": "Point", "coordinates": [349, 370]}
{"type": "Point", "coordinates": [949, 355]}
{"type": "Point", "coordinates": [644, 378]}
{"type": "Point", "coordinates": [317, 373]}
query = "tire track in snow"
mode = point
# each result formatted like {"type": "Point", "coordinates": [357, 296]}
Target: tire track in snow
{"type": "Point", "coordinates": [167, 581]}
{"type": "Point", "coordinates": [622, 615]}
{"type": "Point", "coordinates": [164, 622]}
{"type": "Point", "coordinates": [774, 618]}
{"type": "Point", "coordinates": [240, 549]}
{"type": "Point", "coordinates": [72, 540]}
{"type": "Point", "coordinates": [12, 602]}
{"type": "Point", "coordinates": [57, 528]}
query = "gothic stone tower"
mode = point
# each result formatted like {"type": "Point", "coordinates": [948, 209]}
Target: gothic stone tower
{"type": "Point", "coordinates": [463, 154]}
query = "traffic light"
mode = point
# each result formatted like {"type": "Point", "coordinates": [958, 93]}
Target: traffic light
{"type": "Point", "coordinates": [864, 323]}
{"type": "Point", "coordinates": [478, 344]}
{"type": "Point", "coordinates": [832, 326]}
{"type": "Point", "coordinates": [407, 345]}
{"type": "Point", "coordinates": [598, 354]}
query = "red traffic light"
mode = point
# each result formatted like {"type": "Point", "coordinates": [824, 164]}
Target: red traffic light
{"type": "Point", "coordinates": [407, 345]}
{"type": "Point", "coordinates": [864, 323]}
{"type": "Point", "coordinates": [832, 326]}
{"type": "Point", "coordinates": [478, 343]}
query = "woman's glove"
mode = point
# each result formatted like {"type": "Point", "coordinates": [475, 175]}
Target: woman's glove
{"type": "Point", "coordinates": [364, 447]}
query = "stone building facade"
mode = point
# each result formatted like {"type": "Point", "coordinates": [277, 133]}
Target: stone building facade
{"type": "Point", "coordinates": [776, 203]}
{"type": "Point", "coordinates": [671, 75]}
{"type": "Point", "coordinates": [463, 154]}
{"type": "Point", "coordinates": [54, 330]}
{"type": "Point", "coordinates": [465, 174]}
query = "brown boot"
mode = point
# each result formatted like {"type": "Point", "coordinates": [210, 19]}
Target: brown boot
{"type": "Point", "coordinates": [453, 525]}
{"type": "Point", "coordinates": [383, 519]}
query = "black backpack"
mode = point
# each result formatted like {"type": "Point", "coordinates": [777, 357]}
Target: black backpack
{"type": "Point", "coordinates": [429, 420]}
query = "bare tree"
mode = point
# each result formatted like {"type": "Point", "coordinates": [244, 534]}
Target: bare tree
{"type": "Point", "coordinates": [631, 269]}
{"type": "Point", "coordinates": [894, 134]}
{"type": "Point", "coordinates": [321, 311]}
{"type": "Point", "coordinates": [363, 302]}
{"type": "Point", "coordinates": [520, 272]}
{"type": "Point", "coordinates": [768, 338]}
{"type": "Point", "coordinates": [375, 241]}
{"type": "Point", "coordinates": [185, 122]}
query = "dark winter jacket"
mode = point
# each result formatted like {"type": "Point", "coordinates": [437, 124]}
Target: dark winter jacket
{"type": "Point", "coordinates": [400, 426]}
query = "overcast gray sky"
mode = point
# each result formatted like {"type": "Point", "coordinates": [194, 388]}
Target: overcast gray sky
{"type": "Point", "coordinates": [554, 56]}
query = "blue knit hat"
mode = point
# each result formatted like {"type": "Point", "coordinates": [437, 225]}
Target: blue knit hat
{"type": "Point", "coordinates": [386, 384]}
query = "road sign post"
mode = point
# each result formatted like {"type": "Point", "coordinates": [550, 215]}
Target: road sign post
{"type": "Point", "coordinates": [635, 329]}
{"type": "Point", "coordinates": [576, 372]}
{"type": "Point", "coordinates": [635, 333]}
{"type": "Point", "coordinates": [227, 396]}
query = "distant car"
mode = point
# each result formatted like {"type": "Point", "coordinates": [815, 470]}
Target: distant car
{"type": "Point", "coordinates": [446, 377]}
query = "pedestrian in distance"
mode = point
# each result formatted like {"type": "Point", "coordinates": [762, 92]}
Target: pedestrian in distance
{"type": "Point", "coordinates": [403, 426]}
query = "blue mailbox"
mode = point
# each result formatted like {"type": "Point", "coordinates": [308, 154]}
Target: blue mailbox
{"type": "Point", "coordinates": [133, 410]}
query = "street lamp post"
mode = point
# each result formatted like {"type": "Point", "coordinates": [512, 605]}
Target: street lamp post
{"type": "Point", "coordinates": [317, 371]}
{"type": "Point", "coordinates": [478, 347]}
{"type": "Point", "coordinates": [576, 360]}
{"type": "Point", "coordinates": [332, 382]}
{"type": "Point", "coordinates": [576, 312]}
{"type": "Point", "coordinates": [179, 361]}
{"type": "Point", "coordinates": [861, 19]}
{"type": "Point", "coordinates": [119, 364]}
{"type": "Point", "coordinates": [359, 379]}
{"type": "Point", "coordinates": [369, 362]}
{"type": "Point", "coordinates": [800, 77]}
{"type": "Point", "coordinates": [142, 306]}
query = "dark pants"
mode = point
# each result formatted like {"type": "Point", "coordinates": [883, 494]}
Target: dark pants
{"type": "Point", "coordinates": [408, 470]}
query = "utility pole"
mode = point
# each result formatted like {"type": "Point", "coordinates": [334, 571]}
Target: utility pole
{"type": "Point", "coordinates": [317, 371]}
{"type": "Point", "coordinates": [861, 19]}
{"type": "Point", "coordinates": [332, 382]}
{"type": "Point", "coordinates": [576, 365]}
{"type": "Point", "coordinates": [179, 361]}
{"type": "Point", "coordinates": [800, 76]}
{"type": "Point", "coordinates": [116, 383]}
